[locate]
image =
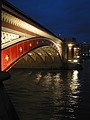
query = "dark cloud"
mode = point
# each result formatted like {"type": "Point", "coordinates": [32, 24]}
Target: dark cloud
{"type": "Point", "coordinates": [71, 18]}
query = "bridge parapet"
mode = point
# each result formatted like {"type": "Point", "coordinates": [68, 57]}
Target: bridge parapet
{"type": "Point", "coordinates": [14, 21]}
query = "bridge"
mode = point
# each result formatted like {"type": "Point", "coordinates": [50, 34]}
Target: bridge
{"type": "Point", "coordinates": [25, 43]}
{"type": "Point", "coordinates": [23, 39]}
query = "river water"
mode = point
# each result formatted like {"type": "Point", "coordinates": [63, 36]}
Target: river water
{"type": "Point", "coordinates": [50, 95]}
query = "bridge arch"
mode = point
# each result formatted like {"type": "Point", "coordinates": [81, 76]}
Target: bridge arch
{"type": "Point", "coordinates": [13, 53]}
{"type": "Point", "coordinates": [20, 35]}
{"type": "Point", "coordinates": [45, 57]}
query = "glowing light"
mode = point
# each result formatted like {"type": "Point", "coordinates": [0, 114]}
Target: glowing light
{"type": "Point", "coordinates": [75, 60]}
{"type": "Point", "coordinates": [30, 44]}
{"type": "Point", "coordinates": [20, 49]}
{"type": "Point", "coordinates": [39, 53]}
{"type": "Point", "coordinates": [50, 54]}
{"type": "Point", "coordinates": [57, 54]}
{"type": "Point", "coordinates": [30, 53]}
{"type": "Point", "coordinates": [69, 60]}
{"type": "Point", "coordinates": [70, 45]}
{"type": "Point", "coordinates": [78, 56]}
{"type": "Point", "coordinates": [7, 57]}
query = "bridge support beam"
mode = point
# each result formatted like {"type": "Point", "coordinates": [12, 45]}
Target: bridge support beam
{"type": "Point", "coordinates": [41, 58]}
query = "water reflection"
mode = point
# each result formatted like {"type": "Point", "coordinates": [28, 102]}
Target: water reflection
{"type": "Point", "coordinates": [51, 95]}
{"type": "Point", "coordinates": [74, 85]}
{"type": "Point", "coordinates": [65, 95]}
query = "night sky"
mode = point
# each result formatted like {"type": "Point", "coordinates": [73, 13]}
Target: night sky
{"type": "Point", "coordinates": [67, 18]}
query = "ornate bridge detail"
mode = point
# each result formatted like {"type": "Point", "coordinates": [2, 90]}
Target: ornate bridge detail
{"type": "Point", "coordinates": [20, 35]}
{"type": "Point", "coordinates": [13, 53]}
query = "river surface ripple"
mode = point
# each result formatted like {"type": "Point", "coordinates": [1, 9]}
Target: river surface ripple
{"type": "Point", "coordinates": [50, 95]}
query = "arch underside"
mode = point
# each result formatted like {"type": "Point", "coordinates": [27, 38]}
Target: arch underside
{"type": "Point", "coordinates": [45, 57]}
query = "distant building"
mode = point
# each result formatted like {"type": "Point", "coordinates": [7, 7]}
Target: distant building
{"type": "Point", "coordinates": [71, 50]}
{"type": "Point", "coordinates": [85, 50]}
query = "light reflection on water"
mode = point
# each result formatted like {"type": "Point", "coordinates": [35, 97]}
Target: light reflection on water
{"type": "Point", "coordinates": [44, 95]}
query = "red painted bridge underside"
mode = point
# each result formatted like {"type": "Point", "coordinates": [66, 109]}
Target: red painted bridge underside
{"type": "Point", "coordinates": [15, 52]}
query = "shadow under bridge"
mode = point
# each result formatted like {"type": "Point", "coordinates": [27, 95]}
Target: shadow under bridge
{"type": "Point", "coordinates": [45, 57]}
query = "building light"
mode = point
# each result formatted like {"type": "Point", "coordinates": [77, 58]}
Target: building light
{"type": "Point", "coordinates": [75, 61]}
{"type": "Point", "coordinates": [70, 45]}
{"type": "Point", "coordinates": [69, 60]}
{"type": "Point", "coordinates": [78, 56]}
